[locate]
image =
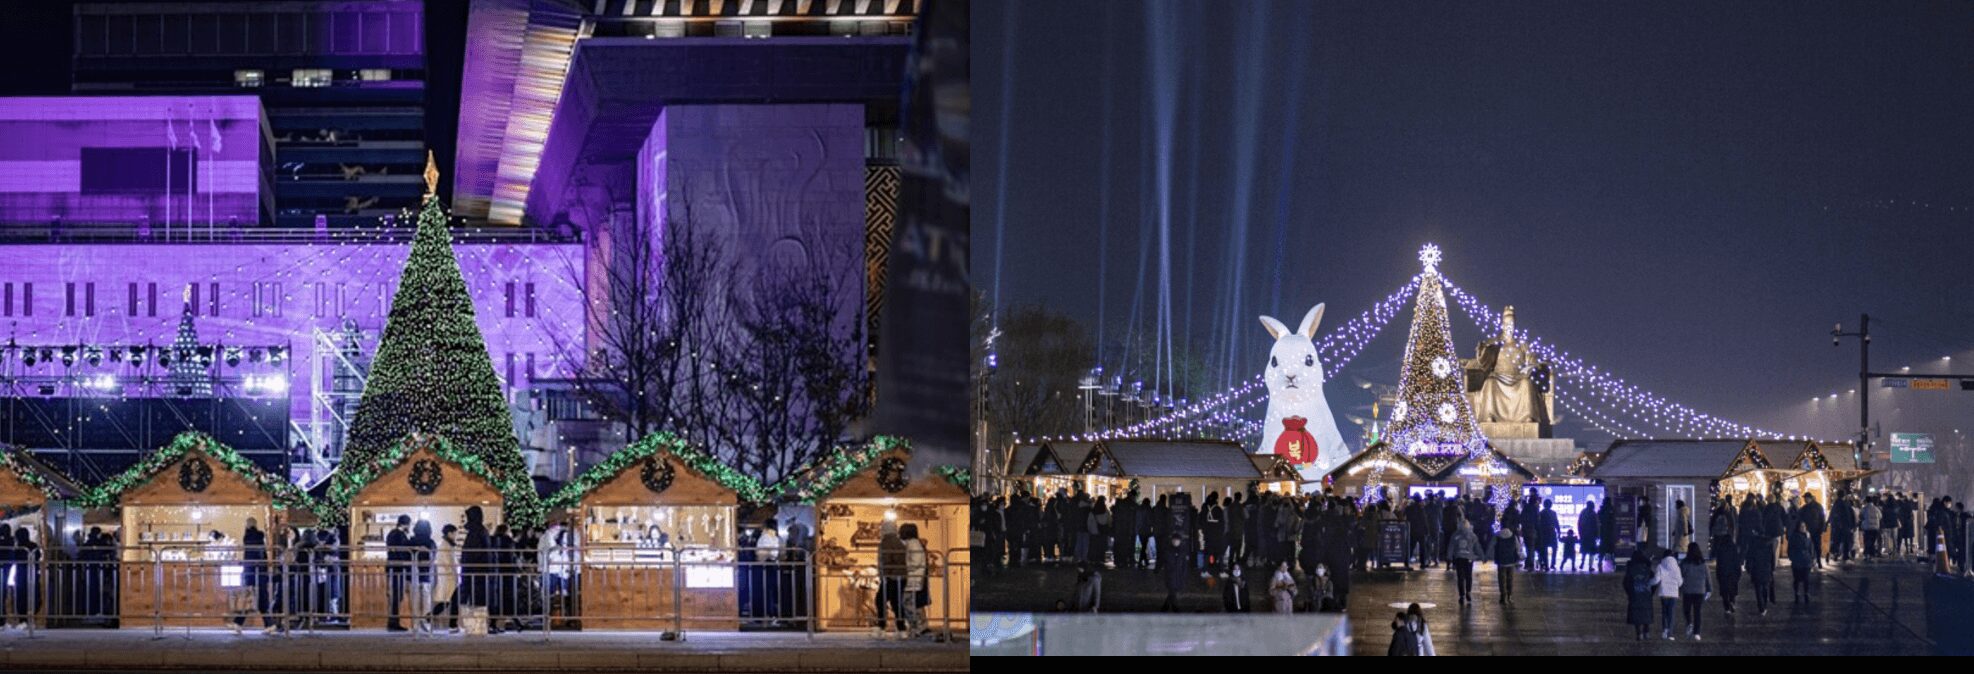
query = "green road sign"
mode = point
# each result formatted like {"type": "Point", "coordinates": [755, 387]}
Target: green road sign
{"type": "Point", "coordinates": [1912, 448]}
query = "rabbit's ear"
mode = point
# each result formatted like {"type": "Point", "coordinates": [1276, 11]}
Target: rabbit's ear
{"type": "Point", "coordinates": [1310, 320]}
{"type": "Point", "coordinates": [1275, 327]}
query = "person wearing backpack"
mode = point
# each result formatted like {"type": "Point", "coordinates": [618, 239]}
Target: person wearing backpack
{"type": "Point", "coordinates": [1639, 578]}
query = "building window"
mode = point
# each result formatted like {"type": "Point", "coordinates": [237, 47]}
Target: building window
{"type": "Point", "coordinates": [842, 28]}
{"type": "Point", "coordinates": [510, 370]}
{"type": "Point", "coordinates": [267, 299]}
{"type": "Point", "coordinates": [151, 302]}
{"type": "Point", "coordinates": [214, 294]}
{"type": "Point", "coordinates": [374, 74]}
{"type": "Point", "coordinates": [251, 79]}
{"type": "Point", "coordinates": [667, 29]}
{"type": "Point", "coordinates": [130, 308]}
{"type": "Point", "coordinates": [510, 298]}
{"type": "Point", "coordinates": [531, 300]}
{"type": "Point", "coordinates": [7, 308]}
{"type": "Point", "coordinates": [312, 77]}
{"type": "Point", "coordinates": [89, 299]}
{"type": "Point", "coordinates": [726, 29]}
{"type": "Point", "coordinates": [192, 300]}
{"type": "Point", "coordinates": [69, 293]}
{"type": "Point", "coordinates": [139, 170]}
{"type": "Point", "coordinates": [756, 29]}
{"type": "Point", "coordinates": [27, 299]}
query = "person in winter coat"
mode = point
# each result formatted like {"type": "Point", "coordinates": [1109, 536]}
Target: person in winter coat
{"type": "Point", "coordinates": [1720, 525]}
{"type": "Point", "coordinates": [1802, 560]}
{"type": "Point", "coordinates": [1587, 526]}
{"type": "Point", "coordinates": [1175, 564]}
{"type": "Point", "coordinates": [1549, 529]}
{"type": "Point", "coordinates": [1812, 518]}
{"type": "Point", "coordinates": [1234, 597]}
{"type": "Point", "coordinates": [1463, 550]}
{"type": "Point", "coordinates": [1089, 589]}
{"type": "Point", "coordinates": [1639, 579]}
{"type": "Point", "coordinates": [1411, 635]}
{"type": "Point", "coordinates": [1694, 588]}
{"type": "Point", "coordinates": [1506, 554]}
{"type": "Point", "coordinates": [1682, 525]}
{"type": "Point", "coordinates": [1843, 529]}
{"type": "Point", "coordinates": [1871, 520]}
{"type": "Point", "coordinates": [1281, 589]}
{"type": "Point", "coordinates": [1727, 569]}
{"type": "Point", "coordinates": [1668, 579]}
{"type": "Point", "coordinates": [1761, 575]}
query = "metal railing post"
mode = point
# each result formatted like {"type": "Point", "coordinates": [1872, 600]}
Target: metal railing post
{"type": "Point", "coordinates": [545, 569]}
{"type": "Point", "coordinates": [809, 580]}
{"type": "Point", "coordinates": [157, 593]}
{"type": "Point", "coordinates": [678, 592]}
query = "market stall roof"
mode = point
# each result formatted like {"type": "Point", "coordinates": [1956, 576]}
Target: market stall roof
{"type": "Point", "coordinates": [1377, 451]}
{"type": "Point", "coordinates": [661, 446]}
{"type": "Point", "coordinates": [1274, 468]}
{"type": "Point", "coordinates": [39, 475]}
{"type": "Point", "coordinates": [1493, 455]}
{"type": "Point", "coordinates": [1836, 456]}
{"type": "Point", "coordinates": [521, 503]}
{"type": "Point", "coordinates": [1041, 458]}
{"type": "Point", "coordinates": [1692, 459]}
{"type": "Point", "coordinates": [879, 469]}
{"type": "Point", "coordinates": [278, 489]}
{"type": "Point", "coordinates": [1181, 458]}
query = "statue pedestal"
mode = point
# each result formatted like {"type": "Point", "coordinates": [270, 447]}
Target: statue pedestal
{"type": "Point", "coordinates": [1510, 430]}
{"type": "Point", "coordinates": [1548, 457]}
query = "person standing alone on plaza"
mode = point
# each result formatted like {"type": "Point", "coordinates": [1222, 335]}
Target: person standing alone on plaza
{"type": "Point", "coordinates": [1802, 560]}
{"type": "Point", "coordinates": [1506, 555]}
{"type": "Point", "coordinates": [1727, 569]}
{"type": "Point", "coordinates": [1462, 550]}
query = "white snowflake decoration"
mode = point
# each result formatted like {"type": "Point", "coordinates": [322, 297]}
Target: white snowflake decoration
{"type": "Point", "coordinates": [1442, 367]}
{"type": "Point", "coordinates": [1446, 413]}
{"type": "Point", "coordinates": [1398, 411]}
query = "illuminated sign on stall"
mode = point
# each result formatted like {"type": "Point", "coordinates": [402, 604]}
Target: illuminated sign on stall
{"type": "Point", "coordinates": [1569, 500]}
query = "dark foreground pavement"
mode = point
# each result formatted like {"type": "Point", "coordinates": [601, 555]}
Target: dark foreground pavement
{"type": "Point", "coordinates": [1859, 609]}
{"type": "Point", "coordinates": [216, 650]}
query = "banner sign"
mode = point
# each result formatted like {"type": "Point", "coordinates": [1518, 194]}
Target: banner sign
{"type": "Point", "coordinates": [1897, 382]}
{"type": "Point", "coordinates": [1931, 384]}
{"type": "Point", "coordinates": [1627, 520]}
{"type": "Point", "coordinates": [1392, 537]}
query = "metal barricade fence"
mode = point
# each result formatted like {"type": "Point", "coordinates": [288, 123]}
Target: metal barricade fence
{"type": "Point", "coordinates": [162, 587]}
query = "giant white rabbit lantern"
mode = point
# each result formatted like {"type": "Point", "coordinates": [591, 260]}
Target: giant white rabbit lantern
{"type": "Point", "coordinates": [1298, 414]}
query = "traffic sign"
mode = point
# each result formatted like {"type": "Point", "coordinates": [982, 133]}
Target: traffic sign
{"type": "Point", "coordinates": [1912, 448]}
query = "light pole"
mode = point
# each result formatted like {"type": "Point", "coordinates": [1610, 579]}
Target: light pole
{"type": "Point", "coordinates": [1862, 453]}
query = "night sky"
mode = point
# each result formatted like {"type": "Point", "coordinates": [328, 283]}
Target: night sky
{"type": "Point", "coordinates": [1687, 194]}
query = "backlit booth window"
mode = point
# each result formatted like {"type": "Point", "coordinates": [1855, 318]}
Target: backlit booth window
{"type": "Point", "coordinates": [655, 518]}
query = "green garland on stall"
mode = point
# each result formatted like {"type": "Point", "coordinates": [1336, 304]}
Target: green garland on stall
{"type": "Point", "coordinates": [749, 489]}
{"type": "Point", "coordinates": [286, 494]}
{"type": "Point", "coordinates": [958, 475]}
{"type": "Point", "coordinates": [522, 506]}
{"type": "Point", "coordinates": [28, 474]}
{"type": "Point", "coordinates": [836, 468]}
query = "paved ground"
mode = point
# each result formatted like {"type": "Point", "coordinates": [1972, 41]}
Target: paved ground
{"type": "Point", "coordinates": [1859, 609]}
{"type": "Point", "coordinates": [216, 650]}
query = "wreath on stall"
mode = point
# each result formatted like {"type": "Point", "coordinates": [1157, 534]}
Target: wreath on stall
{"type": "Point", "coordinates": [891, 475]}
{"type": "Point", "coordinates": [425, 477]}
{"type": "Point", "coordinates": [194, 475]}
{"type": "Point", "coordinates": [657, 475]}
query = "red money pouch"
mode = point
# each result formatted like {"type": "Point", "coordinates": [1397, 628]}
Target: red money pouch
{"type": "Point", "coordinates": [1295, 444]}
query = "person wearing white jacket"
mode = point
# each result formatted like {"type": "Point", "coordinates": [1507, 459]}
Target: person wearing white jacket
{"type": "Point", "coordinates": [1668, 579]}
{"type": "Point", "coordinates": [915, 579]}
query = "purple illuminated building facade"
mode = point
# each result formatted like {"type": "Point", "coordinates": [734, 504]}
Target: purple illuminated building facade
{"type": "Point", "coordinates": [148, 165]}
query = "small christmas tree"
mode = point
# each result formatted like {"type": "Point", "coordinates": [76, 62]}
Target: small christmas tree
{"type": "Point", "coordinates": [189, 376]}
{"type": "Point", "coordinates": [432, 373]}
{"type": "Point", "coordinates": [1432, 421]}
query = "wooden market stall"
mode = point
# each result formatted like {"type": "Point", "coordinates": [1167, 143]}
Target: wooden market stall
{"type": "Point", "coordinates": [33, 496]}
{"type": "Point", "coordinates": [426, 478]}
{"type": "Point", "coordinates": [168, 505]}
{"type": "Point", "coordinates": [1378, 466]}
{"type": "Point", "coordinates": [856, 491]}
{"type": "Point", "coordinates": [651, 510]}
{"type": "Point", "coordinates": [1045, 468]}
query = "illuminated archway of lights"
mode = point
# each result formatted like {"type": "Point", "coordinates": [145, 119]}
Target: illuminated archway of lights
{"type": "Point", "coordinates": [1336, 349]}
{"type": "Point", "coordinates": [1601, 399]}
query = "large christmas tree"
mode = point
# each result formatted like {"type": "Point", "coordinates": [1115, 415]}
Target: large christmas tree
{"type": "Point", "coordinates": [432, 372]}
{"type": "Point", "coordinates": [1432, 421]}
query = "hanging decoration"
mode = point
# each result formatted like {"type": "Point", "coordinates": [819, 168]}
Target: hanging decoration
{"type": "Point", "coordinates": [285, 494]}
{"type": "Point", "coordinates": [891, 475]}
{"type": "Point", "coordinates": [835, 468]}
{"type": "Point", "coordinates": [654, 447]}
{"type": "Point", "coordinates": [425, 477]}
{"type": "Point", "coordinates": [194, 475]}
{"type": "Point", "coordinates": [31, 475]}
{"type": "Point", "coordinates": [656, 475]}
{"type": "Point", "coordinates": [963, 478]}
